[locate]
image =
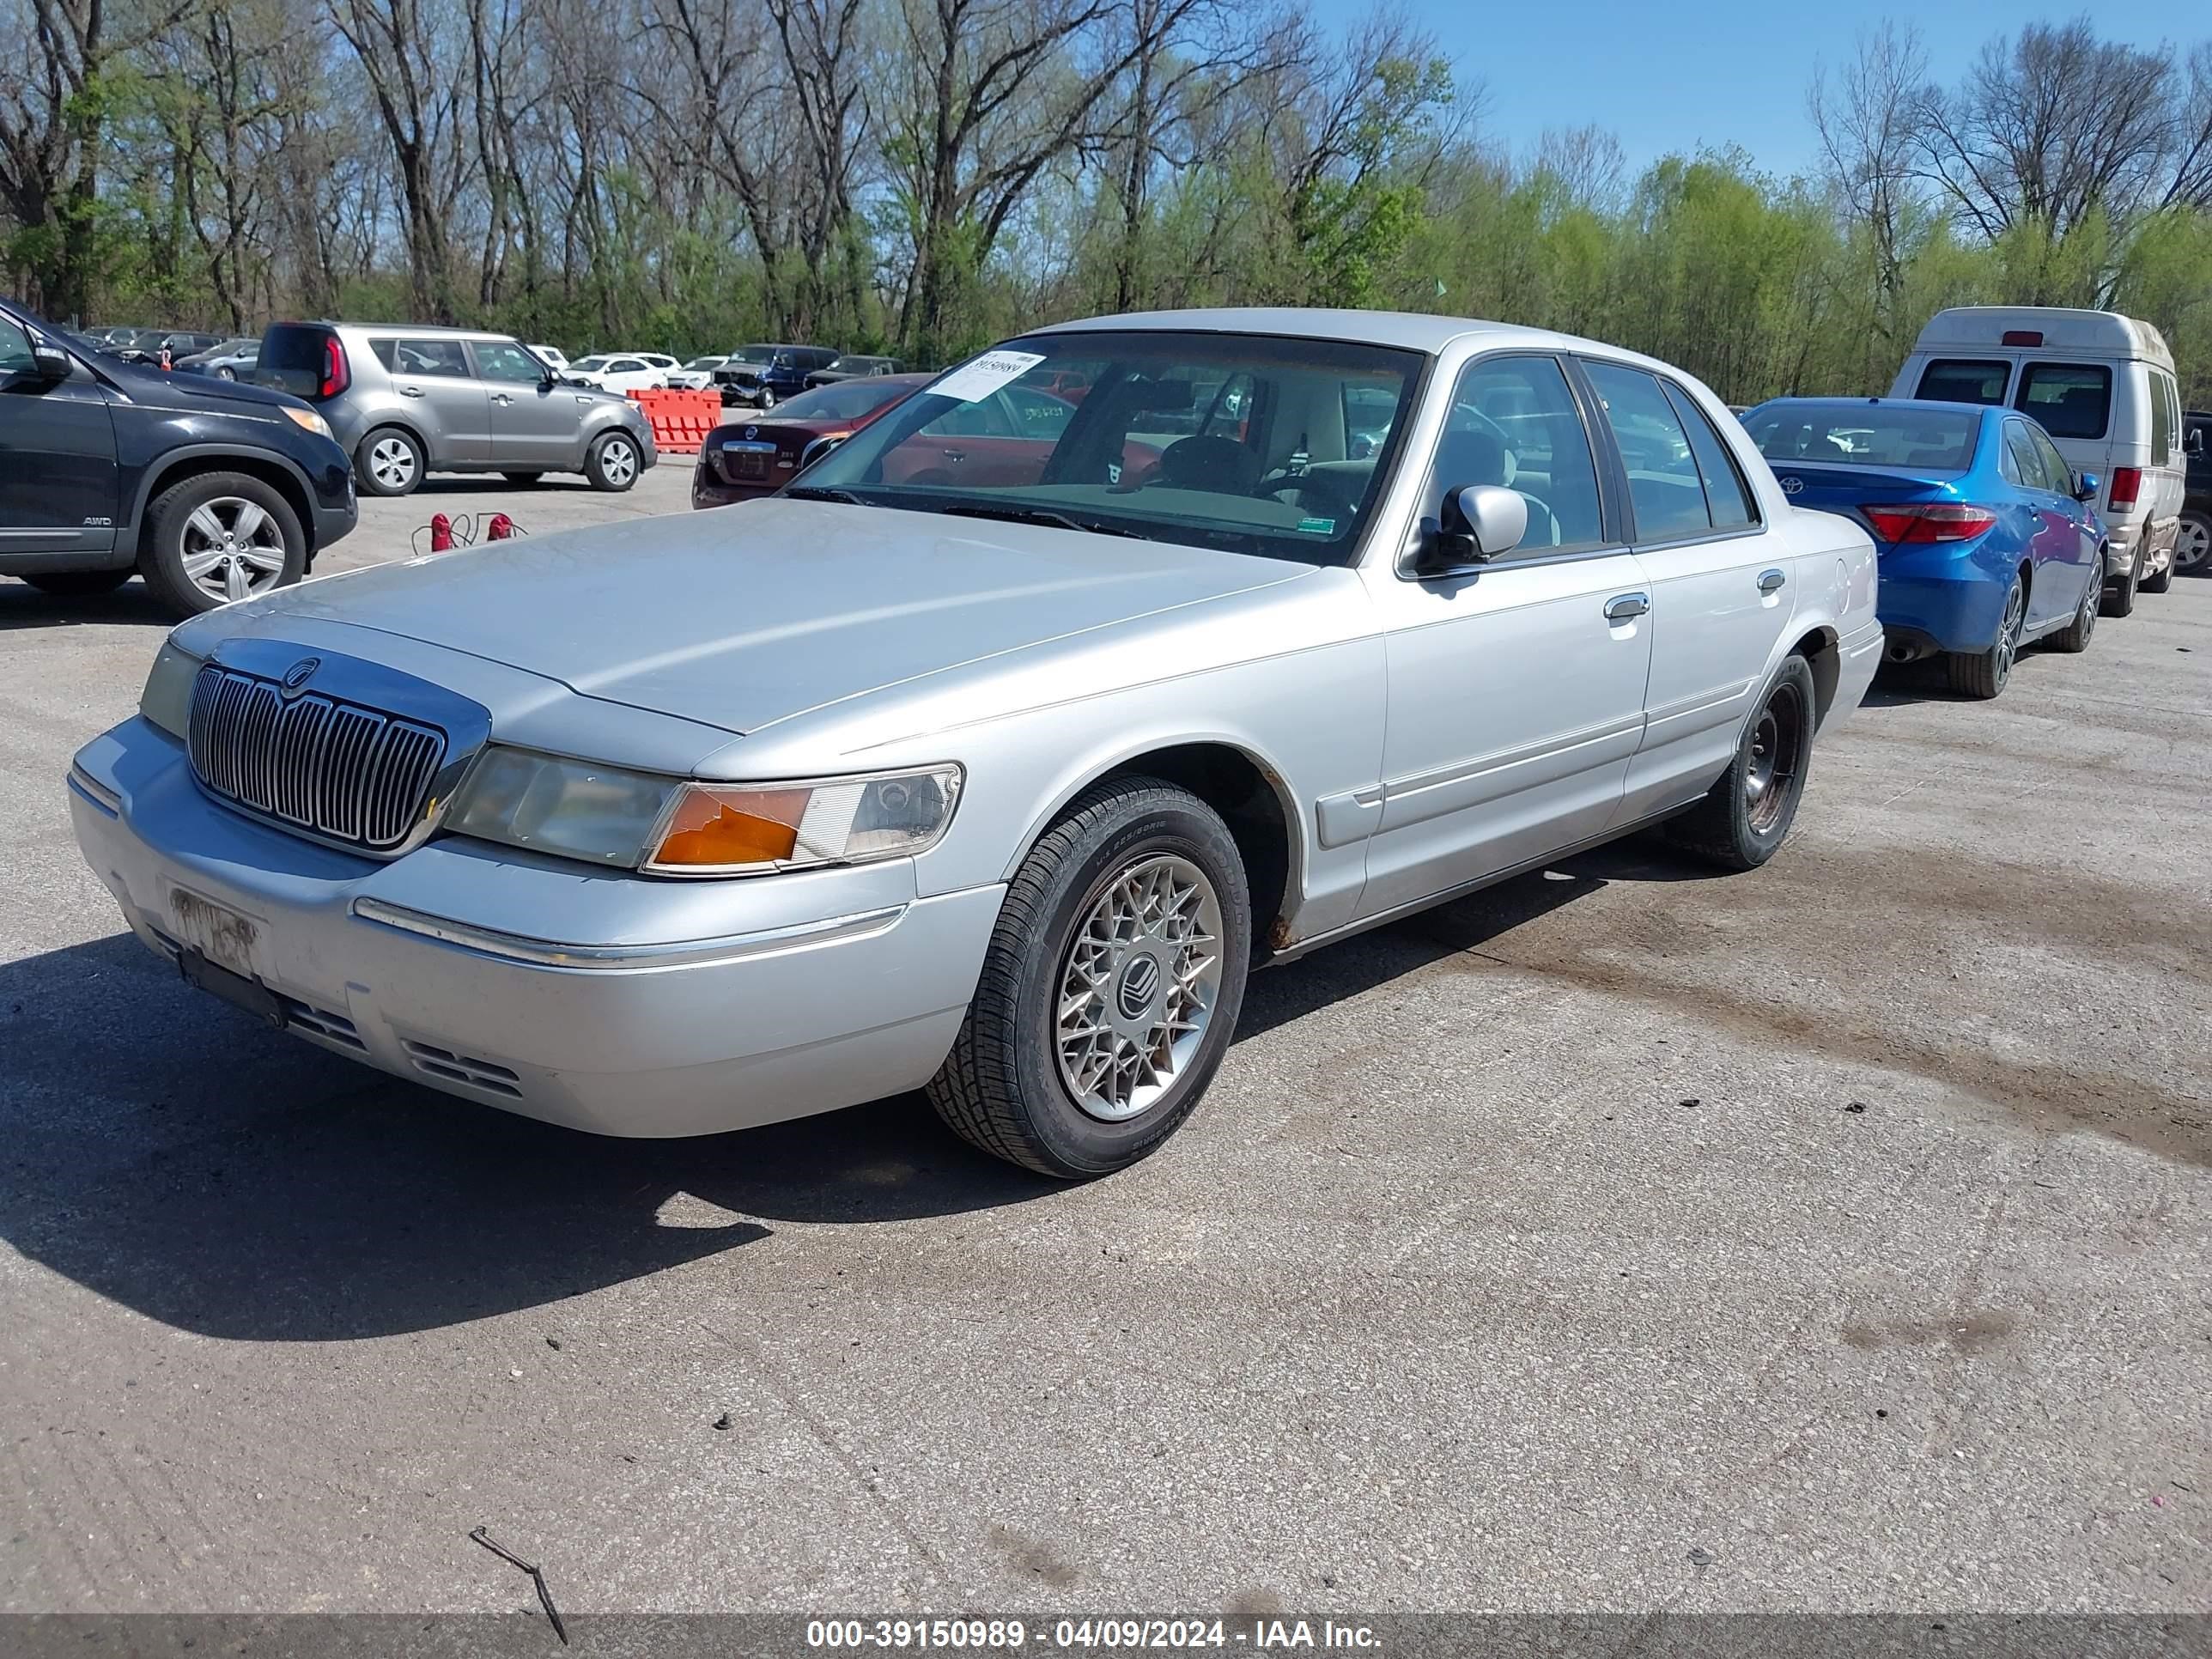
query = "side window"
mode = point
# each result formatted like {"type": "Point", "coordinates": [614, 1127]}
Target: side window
{"type": "Point", "coordinates": [2015, 459]}
{"type": "Point", "coordinates": [624, 366]}
{"type": "Point", "coordinates": [1535, 446]}
{"type": "Point", "coordinates": [980, 419]}
{"type": "Point", "coordinates": [1039, 414]}
{"type": "Point", "coordinates": [1727, 497]}
{"type": "Point", "coordinates": [15, 349]}
{"type": "Point", "coordinates": [2058, 475]}
{"type": "Point", "coordinates": [2071, 400]}
{"type": "Point", "coordinates": [2162, 420]}
{"type": "Point", "coordinates": [1663, 484]}
{"type": "Point", "coordinates": [502, 359]}
{"type": "Point", "coordinates": [433, 357]}
{"type": "Point", "coordinates": [1956, 381]}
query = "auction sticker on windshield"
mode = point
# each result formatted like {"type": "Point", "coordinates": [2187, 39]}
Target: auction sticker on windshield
{"type": "Point", "coordinates": [986, 374]}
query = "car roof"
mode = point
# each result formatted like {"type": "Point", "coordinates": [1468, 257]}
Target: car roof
{"type": "Point", "coordinates": [1406, 329]}
{"type": "Point", "coordinates": [2063, 328]}
{"type": "Point", "coordinates": [420, 331]}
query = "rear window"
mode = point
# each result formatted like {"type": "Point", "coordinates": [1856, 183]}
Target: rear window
{"type": "Point", "coordinates": [1959, 381]}
{"type": "Point", "coordinates": [291, 358]}
{"type": "Point", "coordinates": [1930, 441]}
{"type": "Point", "coordinates": [2071, 400]}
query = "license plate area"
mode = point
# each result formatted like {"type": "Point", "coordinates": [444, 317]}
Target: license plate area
{"type": "Point", "coordinates": [746, 461]}
{"type": "Point", "coordinates": [222, 936]}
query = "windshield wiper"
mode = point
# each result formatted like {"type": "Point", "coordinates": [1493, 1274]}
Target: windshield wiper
{"type": "Point", "coordinates": [1044, 515]}
{"type": "Point", "coordinates": [826, 493]}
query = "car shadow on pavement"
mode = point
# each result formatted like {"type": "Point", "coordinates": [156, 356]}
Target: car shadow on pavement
{"type": "Point", "coordinates": [23, 606]}
{"type": "Point", "coordinates": [171, 1154]}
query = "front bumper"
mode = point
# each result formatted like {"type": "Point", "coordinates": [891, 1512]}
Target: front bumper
{"type": "Point", "coordinates": [623, 1006]}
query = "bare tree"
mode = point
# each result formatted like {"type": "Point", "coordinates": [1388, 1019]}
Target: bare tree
{"type": "Point", "coordinates": [1871, 121]}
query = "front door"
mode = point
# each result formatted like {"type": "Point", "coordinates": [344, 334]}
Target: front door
{"type": "Point", "coordinates": [58, 484]}
{"type": "Point", "coordinates": [1517, 693]}
{"type": "Point", "coordinates": [442, 396]}
{"type": "Point", "coordinates": [2064, 540]}
{"type": "Point", "coordinates": [1721, 597]}
{"type": "Point", "coordinates": [535, 420]}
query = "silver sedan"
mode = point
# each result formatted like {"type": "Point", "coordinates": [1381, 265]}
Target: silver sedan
{"type": "Point", "coordinates": [993, 754]}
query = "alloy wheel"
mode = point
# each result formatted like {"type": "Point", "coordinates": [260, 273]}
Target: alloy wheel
{"type": "Point", "coordinates": [1778, 751]}
{"type": "Point", "coordinates": [391, 463]}
{"type": "Point", "coordinates": [233, 549]}
{"type": "Point", "coordinates": [618, 460]}
{"type": "Point", "coordinates": [2192, 548]}
{"type": "Point", "coordinates": [2007, 645]}
{"type": "Point", "coordinates": [1138, 988]}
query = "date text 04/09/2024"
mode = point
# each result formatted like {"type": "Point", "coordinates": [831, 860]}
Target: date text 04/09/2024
{"type": "Point", "coordinates": [1107, 1634]}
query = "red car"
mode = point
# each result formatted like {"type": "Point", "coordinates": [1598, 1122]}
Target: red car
{"type": "Point", "coordinates": [745, 461]}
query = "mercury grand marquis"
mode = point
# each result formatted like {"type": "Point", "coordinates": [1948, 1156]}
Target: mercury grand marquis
{"type": "Point", "coordinates": [992, 754]}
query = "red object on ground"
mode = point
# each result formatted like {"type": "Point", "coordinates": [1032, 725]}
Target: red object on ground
{"type": "Point", "coordinates": [500, 528]}
{"type": "Point", "coordinates": [441, 533]}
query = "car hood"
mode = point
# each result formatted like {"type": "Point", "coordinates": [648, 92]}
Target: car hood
{"type": "Point", "coordinates": [740, 618]}
{"type": "Point", "coordinates": [152, 389]}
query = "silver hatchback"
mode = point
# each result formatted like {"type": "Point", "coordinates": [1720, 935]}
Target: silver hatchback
{"type": "Point", "coordinates": [406, 399]}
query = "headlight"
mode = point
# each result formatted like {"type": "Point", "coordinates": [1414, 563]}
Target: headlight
{"type": "Point", "coordinates": [751, 829]}
{"type": "Point", "coordinates": [575, 809]}
{"type": "Point", "coordinates": [308, 417]}
{"type": "Point", "coordinates": [167, 701]}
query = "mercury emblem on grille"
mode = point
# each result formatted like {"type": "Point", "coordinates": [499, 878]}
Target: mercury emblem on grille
{"type": "Point", "coordinates": [298, 675]}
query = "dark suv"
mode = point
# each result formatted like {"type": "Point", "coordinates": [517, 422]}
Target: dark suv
{"type": "Point", "coordinates": [764, 375]}
{"type": "Point", "coordinates": [211, 489]}
{"type": "Point", "coordinates": [2192, 549]}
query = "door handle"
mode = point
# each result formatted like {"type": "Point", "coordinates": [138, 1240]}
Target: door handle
{"type": "Point", "coordinates": [410, 391]}
{"type": "Point", "coordinates": [1627, 607]}
{"type": "Point", "coordinates": [956, 455]}
{"type": "Point", "coordinates": [1769, 581]}
{"type": "Point", "coordinates": [500, 397]}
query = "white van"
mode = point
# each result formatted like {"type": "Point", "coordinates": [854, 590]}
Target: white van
{"type": "Point", "coordinates": [2102, 385]}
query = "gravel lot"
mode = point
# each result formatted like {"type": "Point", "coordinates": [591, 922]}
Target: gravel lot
{"type": "Point", "coordinates": [1846, 1223]}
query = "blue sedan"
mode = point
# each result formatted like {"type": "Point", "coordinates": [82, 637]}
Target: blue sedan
{"type": "Point", "coordinates": [1986, 536]}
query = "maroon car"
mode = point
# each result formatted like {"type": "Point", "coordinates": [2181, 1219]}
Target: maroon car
{"type": "Point", "coordinates": [743, 461]}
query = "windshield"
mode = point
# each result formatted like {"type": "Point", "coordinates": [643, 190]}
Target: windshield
{"type": "Point", "coordinates": [847, 401]}
{"type": "Point", "coordinates": [755, 354]}
{"type": "Point", "coordinates": [1249, 442]}
{"type": "Point", "coordinates": [704, 363]}
{"type": "Point", "coordinates": [1929, 440]}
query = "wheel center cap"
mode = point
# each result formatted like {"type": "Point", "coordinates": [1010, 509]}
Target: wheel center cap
{"type": "Point", "coordinates": [1139, 984]}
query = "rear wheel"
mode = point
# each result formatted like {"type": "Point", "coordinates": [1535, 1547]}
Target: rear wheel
{"type": "Point", "coordinates": [2161, 579]}
{"type": "Point", "coordinates": [2074, 637]}
{"type": "Point", "coordinates": [388, 463]}
{"type": "Point", "coordinates": [79, 584]}
{"type": "Point", "coordinates": [2120, 598]}
{"type": "Point", "coordinates": [1983, 673]}
{"type": "Point", "coordinates": [1743, 818]}
{"type": "Point", "coordinates": [2192, 549]}
{"type": "Point", "coordinates": [1110, 988]}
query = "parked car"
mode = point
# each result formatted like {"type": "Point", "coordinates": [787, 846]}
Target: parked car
{"type": "Point", "coordinates": [230, 359]}
{"type": "Point", "coordinates": [764, 375]}
{"type": "Point", "coordinates": [149, 345]}
{"type": "Point", "coordinates": [405, 400]}
{"type": "Point", "coordinates": [1988, 541]}
{"type": "Point", "coordinates": [1001, 789]}
{"type": "Point", "coordinates": [2102, 385]}
{"type": "Point", "coordinates": [852, 366]}
{"type": "Point", "coordinates": [212, 492]}
{"type": "Point", "coordinates": [697, 375]}
{"type": "Point", "coordinates": [743, 463]}
{"type": "Point", "coordinates": [617, 372]}
{"type": "Point", "coordinates": [553, 356]}
{"type": "Point", "coordinates": [2192, 543]}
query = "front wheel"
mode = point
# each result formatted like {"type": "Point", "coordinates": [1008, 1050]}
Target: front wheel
{"type": "Point", "coordinates": [1985, 673]}
{"type": "Point", "coordinates": [613, 464]}
{"type": "Point", "coordinates": [1741, 821]}
{"type": "Point", "coordinates": [219, 537]}
{"type": "Point", "coordinates": [225, 374]}
{"type": "Point", "coordinates": [1110, 988]}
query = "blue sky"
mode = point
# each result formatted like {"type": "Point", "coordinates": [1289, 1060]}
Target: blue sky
{"type": "Point", "coordinates": [1676, 78]}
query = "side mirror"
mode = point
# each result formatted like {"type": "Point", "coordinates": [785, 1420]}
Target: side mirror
{"type": "Point", "coordinates": [2194, 444]}
{"type": "Point", "coordinates": [2086, 486]}
{"type": "Point", "coordinates": [50, 362]}
{"type": "Point", "coordinates": [1481, 523]}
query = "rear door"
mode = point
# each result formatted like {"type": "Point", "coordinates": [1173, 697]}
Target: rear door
{"type": "Point", "coordinates": [58, 484]}
{"type": "Point", "coordinates": [433, 374]}
{"type": "Point", "coordinates": [1721, 593]}
{"type": "Point", "coordinates": [534, 421]}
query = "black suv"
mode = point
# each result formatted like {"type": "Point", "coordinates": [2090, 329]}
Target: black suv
{"type": "Point", "coordinates": [212, 489]}
{"type": "Point", "coordinates": [2192, 552]}
{"type": "Point", "coordinates": [764, 375]}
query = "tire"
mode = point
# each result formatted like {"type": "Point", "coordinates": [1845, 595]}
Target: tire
{"type": "Point", "coordinates": [613, 462]}
{"type": "Point", "coordinates": [78, 583]}
{"type": "Point", "coordinates": [2074, 637]}
{"type": "Point", "coordinates": [218, 537]}
{"type": "Point", "coordinates": [389, 461]}
{"type": "Point", "coordinates": [1738, 826]}
{"type": "Point", "coordinates": [2192, 549]}
{"type": "Point", "coordinates": [2162, 580]}
{"type": "Point", "coordinates": [1011, 1084]}
{"type": "Point", "coordinates": [1985, 673]}
{"type": "Point", "coordinates": [524, 479]}
{"type": "Point", "coordinates": [2120, 599]}
{"type": "Point", "coordinates": [767, 400]}
{"type": "Point", "coordinates": [225, 374]}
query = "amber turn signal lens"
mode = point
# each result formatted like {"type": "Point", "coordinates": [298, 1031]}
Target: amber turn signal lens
{"type": "Point", "coordinates": [706, 830]}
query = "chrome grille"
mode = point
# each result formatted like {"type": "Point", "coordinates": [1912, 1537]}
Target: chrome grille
{"type": "Point", "coordinates": [353, 774]}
